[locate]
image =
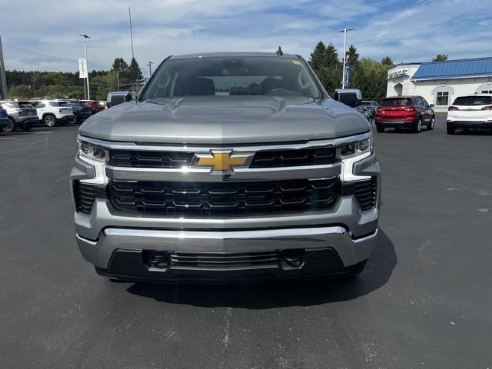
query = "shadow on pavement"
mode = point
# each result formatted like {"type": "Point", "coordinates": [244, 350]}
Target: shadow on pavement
{"type": "Point", "coordinates": [271, 295]}
{"type": "Point", "coordinates": [473, 132]}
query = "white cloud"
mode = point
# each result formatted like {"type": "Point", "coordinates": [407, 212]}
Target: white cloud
{"type": "Point", "coordinates": [403, 30]}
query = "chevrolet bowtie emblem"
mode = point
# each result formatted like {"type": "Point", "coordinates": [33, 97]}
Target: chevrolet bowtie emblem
{"type": "Point", "coordinates": [223, 161]}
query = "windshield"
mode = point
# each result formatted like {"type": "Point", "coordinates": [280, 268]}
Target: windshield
{"type": "Point", "coordinates": [242, 75]}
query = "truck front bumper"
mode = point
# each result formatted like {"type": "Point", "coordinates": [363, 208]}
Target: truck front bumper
{"type": "Point", "coordinates": [333, 241]}
{"type": "Point", "coordinates": [142, 254]}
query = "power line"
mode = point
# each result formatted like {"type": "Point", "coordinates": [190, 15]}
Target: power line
{"type": "Point", "coordinates": [37, 53]}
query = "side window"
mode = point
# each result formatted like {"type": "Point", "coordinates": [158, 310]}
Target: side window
{"type": "Point", "coordinates": [424, 102]}
{"type": "Point", "coordinates": [40, 105]}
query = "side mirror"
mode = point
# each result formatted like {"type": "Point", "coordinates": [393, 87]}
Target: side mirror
{"type": "Point", "coordinates": [431, 105]}
{"type": "Point", "coordinates": [350, 100]}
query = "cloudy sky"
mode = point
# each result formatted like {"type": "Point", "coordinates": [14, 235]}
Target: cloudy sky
{"type": "Point", "coordinates": [44, 34]}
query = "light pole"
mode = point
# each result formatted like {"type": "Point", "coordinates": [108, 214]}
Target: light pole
{"type": "Point", "coordinates": [86, 64]}
{"type": "Point", "coordinates": [345, 30]}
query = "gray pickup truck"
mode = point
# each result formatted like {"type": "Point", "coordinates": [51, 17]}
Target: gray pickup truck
{"type": "Point", "coordinates": [227, 166]}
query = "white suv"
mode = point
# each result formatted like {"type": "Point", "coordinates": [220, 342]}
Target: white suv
{"type": "Point", "coordinates": [54, 112]}
{"type": "Point", "coordinates": [472, 111]}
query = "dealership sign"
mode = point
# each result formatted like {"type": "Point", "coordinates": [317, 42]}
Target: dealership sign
{"type": "Point", "coordinates": [82, 68]}
{"type": "Point", "coordinates": [398, 73]}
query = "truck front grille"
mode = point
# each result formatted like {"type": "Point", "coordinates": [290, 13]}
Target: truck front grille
{"type": "Point", "coordinates": [291, 158]}
{"type": "Point", "coordinates": [262, 159]}
{"type": "Point", "coordinates": [223, 199]}
{"type": "Point", "coordinates": [150, 159]}
{"type": "Point", "coordinates": [217, 261]}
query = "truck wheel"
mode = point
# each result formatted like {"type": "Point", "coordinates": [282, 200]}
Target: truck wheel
{"type": "Point", "coordinates": [49, 120]}
{"type": "Point", "coordinates": [450, 130]}
{"type": "Point", "coordinates": [11, 127]}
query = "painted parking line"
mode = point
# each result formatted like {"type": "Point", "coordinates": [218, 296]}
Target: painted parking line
{"type": "Point", "coordinates": [34, 133]}
{"type": "Point", "coordinates": [8, 138]}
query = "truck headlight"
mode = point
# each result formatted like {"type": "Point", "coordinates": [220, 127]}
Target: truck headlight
{"type": "Point", "coordinates": [354, 149]}
{"type": "Point", "coordinates": [350, 154]}
{"type": "Point", "coordinates": [91, 151]}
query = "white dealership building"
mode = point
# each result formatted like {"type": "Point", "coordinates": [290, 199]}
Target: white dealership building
{"type": "Point", "coordinates": [441, 82]}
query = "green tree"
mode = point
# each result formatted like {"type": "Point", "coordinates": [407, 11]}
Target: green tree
{"type": "Point", "coordinates": [122, 71]}
{"type": "Point", "coordinates": [135, 72]}
{"type": "Point", "coordinates": [371, 79]}
{"type": "Point", "coordinates": [440, 58]}
{"type": "Point", "coordinates": [353, 63]}
{"type": "Point", "coordinates": [317, 58]}
{"type": "Point", "coordinates": [352, 56]}
{"type": "Point", "coordinates": [324, 60]}
{"type": "Point", "coordinates": [20, 92]}
{"type": "Point", "coordinates": [387, 61]}
{"type": "Point", "coordinates": [120, 65]}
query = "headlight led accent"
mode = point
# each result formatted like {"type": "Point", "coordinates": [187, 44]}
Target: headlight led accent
{"type": "Point", "coordinates": [350, 154]}
{"type": "Point", "coordinates": [355, 148]}
{"type": "Point", "coordinates": [91, 151]}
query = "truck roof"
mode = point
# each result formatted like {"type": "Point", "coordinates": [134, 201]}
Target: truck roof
{"type": "Point", "coordinates": [232, 54]}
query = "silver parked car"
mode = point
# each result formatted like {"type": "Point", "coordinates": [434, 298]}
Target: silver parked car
{"type": "Point", "coordinates": [21, 114]}
{"type": "Point", "coordinates": [227, 166]}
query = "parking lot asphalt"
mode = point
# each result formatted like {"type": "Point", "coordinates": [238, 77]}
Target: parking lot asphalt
{"type": "Point", "coordinates": [424, 300]}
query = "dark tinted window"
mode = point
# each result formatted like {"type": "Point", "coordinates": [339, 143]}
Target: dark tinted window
{"type": "Point", "coordinates": [117, 99]}
{"type": "Point", "coordinates": [59, 103]}
{"type": "Point", "coordinates": [397, 101]}
{"type": "Point", "coordinates": [473, 100]}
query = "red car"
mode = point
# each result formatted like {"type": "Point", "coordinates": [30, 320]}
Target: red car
{"type": "Point", "coordinates": [404, 112]}
{"type": "Point", "coordinates": [95, 106]}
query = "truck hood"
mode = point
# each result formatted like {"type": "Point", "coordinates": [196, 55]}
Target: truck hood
{"type": "Point", "coordinates": [220, 120]}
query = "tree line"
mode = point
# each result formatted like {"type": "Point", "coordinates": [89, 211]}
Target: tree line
{"type": "Point", "coordinates": [35, 84]}
{"type": "Point", "coordinates": [366, 74]}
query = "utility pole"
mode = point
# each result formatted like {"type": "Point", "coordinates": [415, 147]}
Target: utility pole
{"type": "Point", "coordinates": [131, 30]}
{"type": "Point", "coordinates": [134, 82]}
{"type": "Point", "coordinates": [87, 65]}
{"type": "Point", "coordinates": [150, 68]}
{"type": "Point", "coordinates": [345, 30]}
{"type": "Point", "coordinates": [3, 79]}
